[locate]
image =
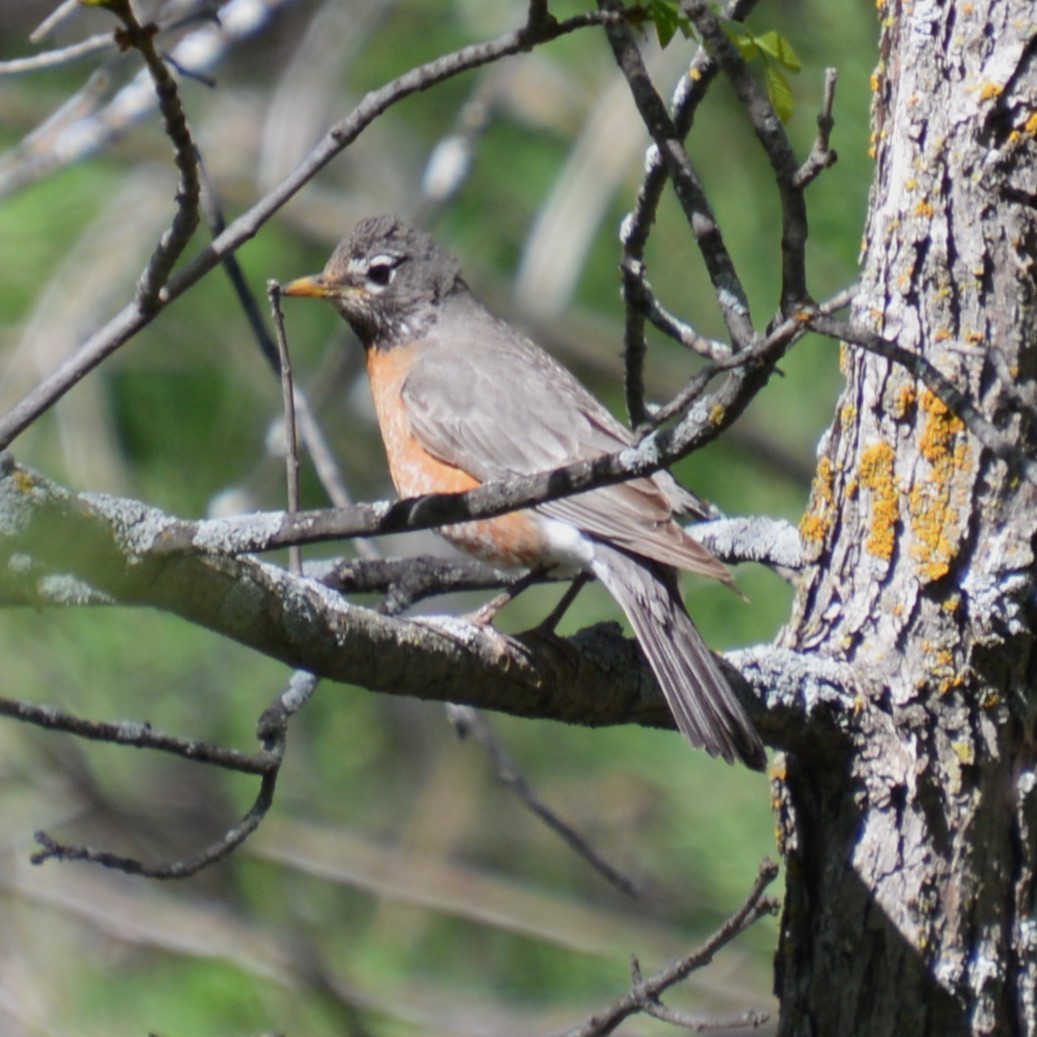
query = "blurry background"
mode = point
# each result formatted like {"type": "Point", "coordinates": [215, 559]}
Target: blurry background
{"type": "Point", "coordinates": [397, 887]}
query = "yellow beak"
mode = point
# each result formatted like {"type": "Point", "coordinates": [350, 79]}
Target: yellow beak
{"type": "Point", "coordinates": [313, 287]}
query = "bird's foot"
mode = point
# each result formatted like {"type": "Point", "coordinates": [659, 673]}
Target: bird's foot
{"type": "Point", "coordinates": [484, 615]}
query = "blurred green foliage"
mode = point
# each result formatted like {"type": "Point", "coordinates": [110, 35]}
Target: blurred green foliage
{"type": "Point", "coordinates": [397, 887]}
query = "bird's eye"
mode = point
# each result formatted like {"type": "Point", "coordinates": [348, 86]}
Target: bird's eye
{"type": "Point", "coordinates": [380, 270]}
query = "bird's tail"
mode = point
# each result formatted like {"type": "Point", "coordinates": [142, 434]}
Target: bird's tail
{"type": "Point", "coordinates": [701, 700]}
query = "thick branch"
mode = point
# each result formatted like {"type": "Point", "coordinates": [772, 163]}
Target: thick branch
{"type": "Point", "coordinates": [114, 547]}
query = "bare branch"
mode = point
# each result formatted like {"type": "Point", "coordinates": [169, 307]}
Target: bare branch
{"type": "Point", "coordinates": [409, 580]}
{"type": "Point", "coordinates": [291, 456]}
{"type": "Point", "coordinates": [753, 366]}
{"type": "Point", "coordinates": [133, 317]}
{"type": "Point", "coordinates": [594, 678]}
{"type": "Point", "coordinates": [766, 541]}
{"type": "Point", "coordinates": [61, 56]}
{"type": "Point", "coordinates": [185, 221]}
{"type": "Point", "coordinates": [937, 382]}
{"type": "Point", "coordinates": [690, 91]}
{"type": "Point", "coordinates": [469, 723]}
{"type": "Point", "coordinates": [771, 134]}
{"type": "Point", "coordinates": [644, 997]}
{"type": "Point", "coordinates": [640, 297]}
{"type": "Point", "coordinates": [821, 156]}
{"type": "Point", "coordinates": [138, 736]}
{"type": "Point", "coordinates": [272, 730]}
{"type": "Point", "coordinates": [731, 296]}
{"type": "Point", "coordinates": [52, 849]}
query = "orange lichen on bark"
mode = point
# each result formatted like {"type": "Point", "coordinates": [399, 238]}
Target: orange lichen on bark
{"type": "Point", "coordinates": [941, 428]}
{"type": "Point", "coordinates": [876, 473]}
{"type": "Point", "coordinates": [817, 521]}
{"type": "Point", "coordinates": [934, 514]}
{"type": "Point", "coordinates": [905, 400]}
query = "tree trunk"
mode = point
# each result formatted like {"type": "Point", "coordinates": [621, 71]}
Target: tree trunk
{"type": "Point", "coordinates": [910, 852]}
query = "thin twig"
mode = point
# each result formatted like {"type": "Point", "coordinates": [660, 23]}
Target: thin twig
{"type": "Point", "coordinates": [469, 721]}
{"type": "Point", "coordinates": [821, 156]}
{"type": "Point", "coordinates": [137, 735]}
{"type": "Point", "coordinates": [777, 341]}
{"type": "Point", "coordinates": [749, 1019]}
{"type": "Point", "coordinates": [771, 134]}
{"type": "Point", "coordinates": [291, 440]}
{"type": "Point", "coordinates": [60, 56]}
{"type": "Point", "coordinates": [413, 579]}
{"type": "Point", "coordinates": [731, 296]}
{"type": "Point", "coordinates": [52, 849]}
{"type": "Point", "coordinates": [645, 995]}
{"type": "Point", "coordinates": [272, 730]}
{"type": "Point", "coordinates": [638, 293]}
{"type": "Point", "coordinates": [690, 91]}
{"type": "Point", "coordinates": [185, 220]}
{"type": "Point", "coordinates": [317, 447]}
{"type": "Point", "coordinates": [132, 318]}
{"type": "Point", "coordinates": [54, 19]}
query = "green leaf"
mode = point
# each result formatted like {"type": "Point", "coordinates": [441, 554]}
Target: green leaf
{"type": "Point", "coordinates": [668, 19]}
{"type": "Point", "coordinates": [746, 45]}
{"type": "Point", "coordinates": [775, 53]}
{"type": "Point", "coordinates": [779, 91]}
{"type": "Point", "coordinates": [778, 47]}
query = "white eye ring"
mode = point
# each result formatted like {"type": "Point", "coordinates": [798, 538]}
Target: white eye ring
{"type": "Point", "coordinates": [381, 270]}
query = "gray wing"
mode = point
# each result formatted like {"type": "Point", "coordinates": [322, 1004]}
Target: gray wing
{"type": "Point", "coordinates": [496, 405]}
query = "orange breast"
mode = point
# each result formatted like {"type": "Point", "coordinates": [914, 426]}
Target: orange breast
{"type": "Point", "coordinates": [510, 540]}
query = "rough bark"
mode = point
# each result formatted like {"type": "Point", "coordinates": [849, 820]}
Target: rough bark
{"type": "Point", "coordinates": [911, 855]}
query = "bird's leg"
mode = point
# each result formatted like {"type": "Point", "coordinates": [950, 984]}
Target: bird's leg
{"type": "Point", "coordinates": [554, 617]}
{"type": "Point", "coordinates": [485, 614]}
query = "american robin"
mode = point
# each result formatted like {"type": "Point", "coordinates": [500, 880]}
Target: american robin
{"type": "Point", "coordinates": [462, 398]}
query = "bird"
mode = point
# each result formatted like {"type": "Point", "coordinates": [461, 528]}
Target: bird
{"type": "Point", "coordinates": [463, 398]}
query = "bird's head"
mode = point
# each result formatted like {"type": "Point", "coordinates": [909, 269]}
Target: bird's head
{"type": "Point", "coordinates": [386, 279]}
